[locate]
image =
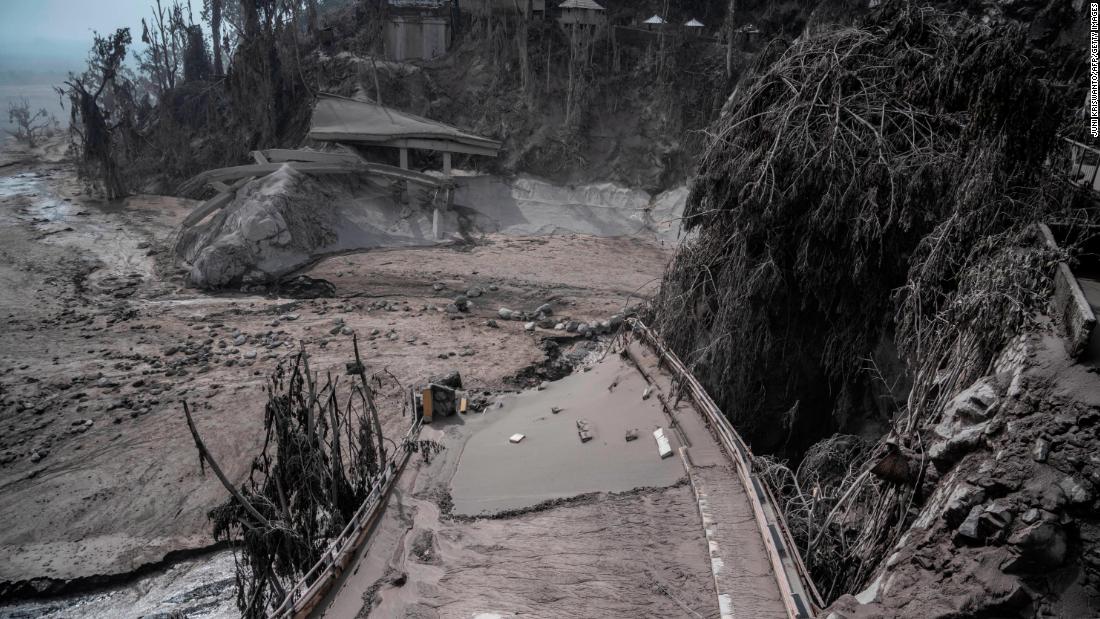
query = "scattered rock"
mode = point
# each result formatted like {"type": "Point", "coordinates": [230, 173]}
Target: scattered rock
{"type": "Point", "coordinates": [632, 435]}
{"type": "Point", "coordinates": [1077, 492]}
{"type": "Point", "coordinates": [1037, 546]}
{"type": "Point", "coordinates": [584, 430]}
{"type": "Point", "coordinates": [1041, 450]}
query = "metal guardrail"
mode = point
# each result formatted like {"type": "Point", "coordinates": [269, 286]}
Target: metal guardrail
{"type": "Point", "coordinates": [1082, 164]}
{"type": "Point", "coordinates": [304, 596]}
{"type": "Point", "coordinates": [800, 597]}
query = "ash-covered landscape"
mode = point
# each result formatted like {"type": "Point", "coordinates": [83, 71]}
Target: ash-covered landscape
{"type": "Point", "coordinates": [483, 309]}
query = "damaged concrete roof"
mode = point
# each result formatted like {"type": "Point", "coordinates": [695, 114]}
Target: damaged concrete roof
{"type": "Point", "coordinates": [580, 4]}
{"type": "Point", "coordinates": [339, 119]}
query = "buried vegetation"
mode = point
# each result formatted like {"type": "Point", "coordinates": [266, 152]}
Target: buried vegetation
{"type": "Point", "coordinates": [866, 185]}
{"type": "Point", "coordinates": [322, 455]}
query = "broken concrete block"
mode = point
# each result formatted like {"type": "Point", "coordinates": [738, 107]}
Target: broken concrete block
{"type": "Point", "coordinates": [515, 438]}
{"type": "Point", "coordinates": [584, 430]}
{"type": "Point", "coordinates": [664, 448]}
{"type": "Point", "coordinates": [632, 435]}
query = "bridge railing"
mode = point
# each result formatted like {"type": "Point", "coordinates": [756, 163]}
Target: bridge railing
{"type": "Point", "coordinates": [1079, 162]}
{"type": "Point", "coordinates": [800, 597]}
{"type": "Point", "coordinates": [305, 594]}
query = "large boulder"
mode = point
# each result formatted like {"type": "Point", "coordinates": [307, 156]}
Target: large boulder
{"type": "Point", "coordinates": [283, 221]}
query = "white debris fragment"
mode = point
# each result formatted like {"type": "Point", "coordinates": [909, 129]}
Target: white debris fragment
{"type": "Point", "coordinates": [663, 446]}
{"type": "Point", "coordinates": [515, 438]}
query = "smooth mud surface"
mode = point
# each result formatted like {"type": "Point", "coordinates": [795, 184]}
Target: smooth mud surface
{"type": "Point", "coordinates": [551, 461]}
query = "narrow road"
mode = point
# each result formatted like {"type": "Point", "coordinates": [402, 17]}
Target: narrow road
{"type": "Point", "coordinates": [686, 544]}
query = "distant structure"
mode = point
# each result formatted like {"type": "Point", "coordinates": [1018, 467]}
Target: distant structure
{"type": "Point", "coordinates": [694, 23]}
{"type": "Point", "coordinates": [694, 27]}
{"type": "Point", "coordinates": [654, 23]}
{"type": "Point", "coordinates": [484, 7]}
{"type": "Point", "coordinates": [417, 29]}
{"type": "Point", "coordinates": [585, 12]}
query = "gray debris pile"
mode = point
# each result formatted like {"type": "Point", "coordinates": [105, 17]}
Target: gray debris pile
{"type": "Point", "coordinates": [1013, 500]}
{"type": "Point", "coordinates": [278, 223]}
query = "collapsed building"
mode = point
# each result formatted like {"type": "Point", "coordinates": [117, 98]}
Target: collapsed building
{"type": "Point", "coordinates": [290, 207]}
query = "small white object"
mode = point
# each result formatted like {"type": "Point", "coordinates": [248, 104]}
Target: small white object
{"type": "Point", "coordinates": [663, 446]}
{"type": "Point", "coordinates": [647, 392]}
{"type": "Point", "coordinates": [515, 438]}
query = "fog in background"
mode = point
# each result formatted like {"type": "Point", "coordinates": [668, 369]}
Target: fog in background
{"type": "Point", "coordinates": [42, 40]}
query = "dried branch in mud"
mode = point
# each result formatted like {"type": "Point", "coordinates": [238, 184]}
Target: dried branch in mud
{"type": "Point", "coordinates": [323, 452]}
{"type": "Point", "coordinates": [871, 183]}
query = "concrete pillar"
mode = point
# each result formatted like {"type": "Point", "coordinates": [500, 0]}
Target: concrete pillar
{"type": "Point", "coordinates": [447, 163]}
{"type": "Point", "coordinates": [404, 166]}
{"type": "Point", "coordinates": [437, 221]}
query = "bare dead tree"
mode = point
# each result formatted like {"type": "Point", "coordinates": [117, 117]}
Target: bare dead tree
{"type": "Point", "coordinates": [29, 125]}
{"type": "Point", "coordinates": [102, 99]}
{"type": "Point", "coordinates": [212, 12]}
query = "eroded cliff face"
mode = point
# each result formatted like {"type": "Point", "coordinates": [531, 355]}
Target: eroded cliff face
{"type": "Point", "coordinates": [1011, 526]}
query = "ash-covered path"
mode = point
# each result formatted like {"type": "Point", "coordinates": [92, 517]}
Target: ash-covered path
{"type": "Point", "coordinates": [666, 545]}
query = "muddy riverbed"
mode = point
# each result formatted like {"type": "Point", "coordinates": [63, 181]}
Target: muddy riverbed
{"type": "Point", "coordinates": [102, 339]}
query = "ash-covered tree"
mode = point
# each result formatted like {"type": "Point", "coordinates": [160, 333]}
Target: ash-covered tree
{"type": "Point", "coordinates": [29, 125]}
{"type": "Point", "coordinates": [212, 13]}
{"type": "Point", "coordinates": [102, 112]}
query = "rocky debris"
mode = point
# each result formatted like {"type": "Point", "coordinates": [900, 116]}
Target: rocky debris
{"type": "Point", "coordinates": [1076, 491]}
{"type": "Point", "coordinates": [962, 499]}
{"type": "Point", "coordinates": [451, 379]}
{"type": "Point", "coordinates": [1041, 450]}
{"type": "Point", "coordinates": [1037, 546]}
{"type": "Point", "coordinates": [305, 287]}
{"type": "Point", "coordinates": [632, 435]}
{"type": "Point", "coordinates": [1010, 514]}
{"type": "Point", "coordinates": [584, 430]}
{"type": "Point", "coordinates": [965, 421]}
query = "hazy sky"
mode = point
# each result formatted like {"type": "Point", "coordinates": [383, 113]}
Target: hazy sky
{"type": "Point", "coordinates": [56, 34]}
